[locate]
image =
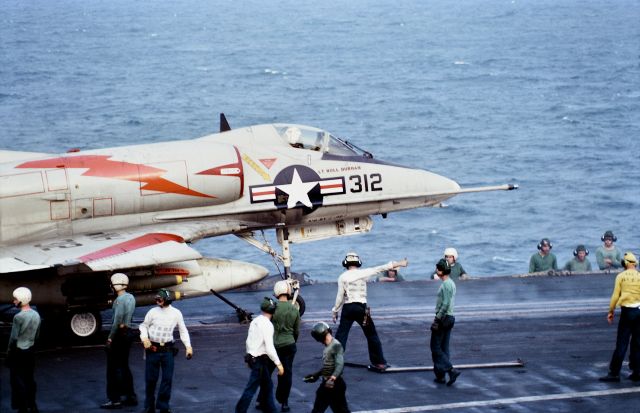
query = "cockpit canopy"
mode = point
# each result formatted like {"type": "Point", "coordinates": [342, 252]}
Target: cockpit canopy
{"type": "Point", "coordinates": [307, 137]}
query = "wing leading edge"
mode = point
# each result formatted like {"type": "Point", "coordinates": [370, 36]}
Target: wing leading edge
{"type": "Point", "coordinates": [108, 251]}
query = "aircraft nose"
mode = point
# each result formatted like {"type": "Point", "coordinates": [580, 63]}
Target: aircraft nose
{"type": "Point", "coordinates": [426, 183]}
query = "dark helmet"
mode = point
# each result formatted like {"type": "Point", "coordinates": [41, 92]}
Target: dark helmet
{"type": "Point", "coordinates": [443, 265]}
{"type": "Point", "coordinates": [164, 295]}
{"type": "Point", "coordinates": [580, 248]}
{"type": "Point", "coordinates": [610, 235]}
{"type": "Point", "coordinates": [545, 242]}
{"type": "Point", "coordinates": [268, 305]}
{"type": "Point", "coordinates": [320, 331]}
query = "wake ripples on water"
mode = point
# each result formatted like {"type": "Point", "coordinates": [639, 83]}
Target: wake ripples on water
{"type": "Point", "coordinates": [543, 94]}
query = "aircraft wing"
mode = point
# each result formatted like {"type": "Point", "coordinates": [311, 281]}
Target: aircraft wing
{"type": "Point", "coordinates": [13, 156]}
{"type": "Point", "coordinates": [119, 249]}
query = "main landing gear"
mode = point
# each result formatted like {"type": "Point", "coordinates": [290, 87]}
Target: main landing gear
{"type": "Point", "coordinates": [245, 316]}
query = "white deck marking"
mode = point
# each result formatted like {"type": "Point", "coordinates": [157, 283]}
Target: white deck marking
{"type": "Point", "coordinates": [511, 400]}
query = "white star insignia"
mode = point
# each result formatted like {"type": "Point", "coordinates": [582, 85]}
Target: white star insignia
{"type": "Point", "coordinates": [298, 191]}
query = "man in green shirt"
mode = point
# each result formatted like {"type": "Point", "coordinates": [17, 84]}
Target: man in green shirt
{"type": "Point", "coordinates": [332, 391]}
{"type": "Point", "coordinates": [608, 255]}
{"type": "Point", "coordinates": [119, 377]}
{"type": "Point", "coordinates": [442, 326]}
{"type": "Point", "coordinates": [390, 276]}
{"type": "Point", "coordinates": [544, 259]}
{"type": "Point", "coordinates": [20, 355]}
{"type": "Point", "coordinates": [286, 328]}
{"type": "Point", "coordinates": [457, 272]}
{"type": "Point", "coordinates": [579, 262]}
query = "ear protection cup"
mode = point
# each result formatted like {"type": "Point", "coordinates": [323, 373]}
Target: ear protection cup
{"type": "Point", "coordinates": [545, 241]}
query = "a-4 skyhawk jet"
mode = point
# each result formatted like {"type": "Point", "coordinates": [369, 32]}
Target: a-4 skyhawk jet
{"type": "Point", "coordinates": [69, 221]}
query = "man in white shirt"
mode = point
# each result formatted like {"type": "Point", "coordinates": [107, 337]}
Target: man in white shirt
{"type": "Point", "coordinates": [156, 333]}
{"type": "Point", "coordinates": [352, 298]}
{"type": "Point", "coordinates": [260, 350]}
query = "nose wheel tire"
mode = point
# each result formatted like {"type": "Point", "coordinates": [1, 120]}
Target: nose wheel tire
{"type": "Point", "coordinates": [85, 324]}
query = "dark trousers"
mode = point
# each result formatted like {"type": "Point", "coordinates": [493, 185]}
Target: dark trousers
{"type": "Point", "coordinates": [119, 377]}
{"type": "Point", "coordinates": [336, 398]}
{"type": "Point", "coordinates": [259, 377]}
{"type": "Point", "coordinates": [440, 348]}
{"type": "Point", "coordinates": [155, 362]}
{"type": "Point", "coordinates": [286, 354]}
{"type": "Point", "coordinates": [628, 328]}
{"type": "Point", "coordinates": [356, 312]}
{"type": "Point", "coordinates": [23, 385]}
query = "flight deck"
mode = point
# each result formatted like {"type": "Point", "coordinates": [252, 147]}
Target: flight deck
{"type": "Point", "coordinates": [536, 344]}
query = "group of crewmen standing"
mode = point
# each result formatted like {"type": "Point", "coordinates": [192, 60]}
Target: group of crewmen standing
{"type": "Point", "coordinates": [608, 256]}
{"type": "Point", "coordinates": [156, 333]}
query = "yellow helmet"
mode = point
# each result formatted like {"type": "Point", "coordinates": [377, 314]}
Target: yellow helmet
{"type": "Point", "coordinates": [629, 258]}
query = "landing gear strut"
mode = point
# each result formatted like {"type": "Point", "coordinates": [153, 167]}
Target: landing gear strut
{"type": "Point", "coordinates": [282, 234]}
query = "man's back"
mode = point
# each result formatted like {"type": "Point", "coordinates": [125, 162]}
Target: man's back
{"type": "Point", "coordinates": [286, 324]}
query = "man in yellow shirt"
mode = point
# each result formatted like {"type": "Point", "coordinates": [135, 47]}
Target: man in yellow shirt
{"type": "Point", "coordinates": [626, 294]}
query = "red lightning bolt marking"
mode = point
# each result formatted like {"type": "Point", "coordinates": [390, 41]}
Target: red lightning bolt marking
{"type": "Point", "coordinates": [237, 166]}
{"type": "Point", "coordinates": [100, 166]}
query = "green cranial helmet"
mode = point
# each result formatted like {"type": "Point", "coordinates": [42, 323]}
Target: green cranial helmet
{"type": "Point", "coordinates": [268, 305]}
{"type": "Point", "coordinates": [320, 331]}
{"type": "Point", "coordinates": [164, 295]}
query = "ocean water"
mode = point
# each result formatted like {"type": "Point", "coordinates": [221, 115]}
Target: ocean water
{"type": "Point", "coordinates": [545, 94]}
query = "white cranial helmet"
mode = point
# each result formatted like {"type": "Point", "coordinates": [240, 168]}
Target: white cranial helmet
{"type": "Point", "coordinates": [452, 252]}
{"type": "Point", "coordinates": [119, 281]}
{"type": "Point", "coordinates": [22, 294]}
{"type": "Point", "coordinates": [351, 259]}
{"type": "Point", "coordinates": [281, 287]}
{"type": "Point", "coordinates": [293, 135]}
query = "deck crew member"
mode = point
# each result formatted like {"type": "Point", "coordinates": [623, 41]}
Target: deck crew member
{"type": "Point", "coordinates": [442, 326]}
{"type": "Point", "coordinates": [286, 325]}
{"type": "Point", "coordinates": [20, 355]}
{"type": "Point", "coordinates": [457, 272]}
{"type": "Point", "coordinates": [156, 333]}
{"type": "Point", "coordinates": [626, 294]}
{"type": "Point", "coordinates": [544, 259]}
{"type": "Point", "coordinates": [332, 390]}
{"type": "Point", "coordinates": [390, 276]}
{"type": "Point", "coordinates": [352, 298]}
{"type": "Point", "coordinates": [119, 377]}
{"type": "Point", "coordinates": [608, 255]}
{"type": "Point", "coordinates": [579, 262]}
{"type": "Point", "coordinates": [260, 352]}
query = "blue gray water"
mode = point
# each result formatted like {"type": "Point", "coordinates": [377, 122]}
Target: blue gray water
{"type": "Point", "coordinates": [545, 94]}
